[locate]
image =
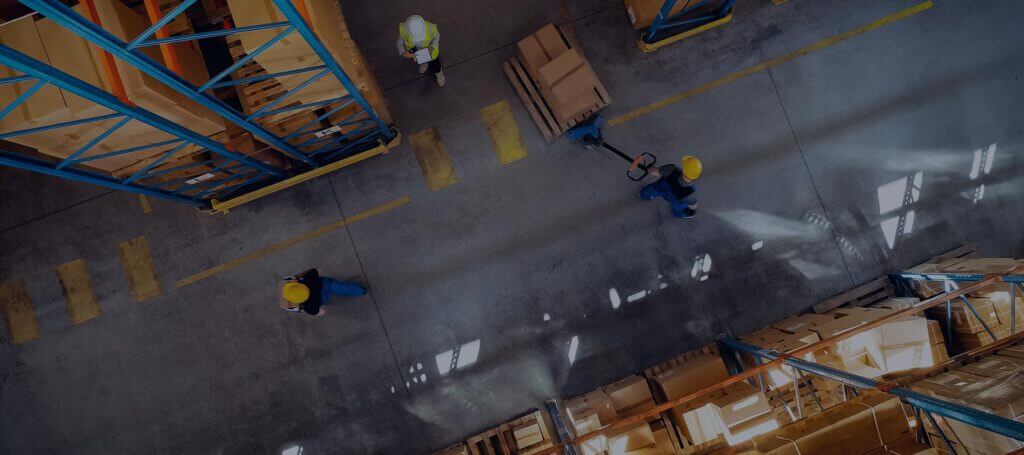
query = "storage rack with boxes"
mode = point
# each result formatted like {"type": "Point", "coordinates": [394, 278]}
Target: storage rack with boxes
{"type": "Point", "coordinates": [871, 374]}
{"type": "Point", "coordinates": [663, 22]}
{"type": "Point", "coordinates": [135, 99]}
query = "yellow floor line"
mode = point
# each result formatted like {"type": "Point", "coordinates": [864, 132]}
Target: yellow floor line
{"type": "Point", "coordinates": [501, 126]}
{"type": "Point", "coordinates": [264, 252]}
{"type": "Point", "coordinates": [78, 291]}
{"type": "Point", "coordinates": [433, 157]}
{"type": "Point", "coordinates": [144, 201]}
{"type": "Point", "coordinates": [18, 312]}
{"type": "Point", "coordinates": [770, 63]}
{"type": "Point", "coordinates": [138, 267]}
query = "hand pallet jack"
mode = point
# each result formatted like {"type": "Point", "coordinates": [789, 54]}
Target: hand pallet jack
{"type": "Point", "coordinates": [588, 133]}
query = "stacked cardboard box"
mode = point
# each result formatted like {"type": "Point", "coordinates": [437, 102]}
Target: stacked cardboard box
{"type": "Point", "coordinates": [858, 426]}
{"type": "Point", "coordinates": [994, 309]}
{"type": "Point", "coordinates": [596, 409]}
{"type": "Point", "coordinates": [565, 78]}
{"type": "Point", "coordinates": [992, 384]}
{"type": "Point", "coordinates": [555, 81]}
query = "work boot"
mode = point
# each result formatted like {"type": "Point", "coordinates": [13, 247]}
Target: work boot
{"type": "Point", "coordinates": [440, 78]}
{"type": "Point", "coordinates": [423, 68]}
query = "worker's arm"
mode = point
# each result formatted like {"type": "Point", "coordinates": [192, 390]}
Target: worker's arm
{"type": "Point", "coordinates": [402, 50]}
{"type": "Point", "coordinates": [434, 43]}
{"type": "Point", "coordinates": [665, 169]}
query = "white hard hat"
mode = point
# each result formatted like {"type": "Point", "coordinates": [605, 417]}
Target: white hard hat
{"type": "Point", "coordinates": [417, 27]}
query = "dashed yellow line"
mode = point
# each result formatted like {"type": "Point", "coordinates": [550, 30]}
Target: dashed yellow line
{"type": "Point", "coordinates": [501, 126]}
{"type": "Point", "coordinates": [264, 252]}
{"type": "Point", "coordinates": [18, 313]}
{"type": "Point", "coordinates": [139, 269]}
{"type": "Point", "coordinates": [923, 6]}
{"type": "Point", "coordinates": [433, 158]}
{"type": "Point", "coordinates": [78, 291]}
{"type": "Point", "coordinates": [144, 202]}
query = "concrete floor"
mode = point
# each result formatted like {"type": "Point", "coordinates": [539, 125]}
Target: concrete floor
{"type": "Point", "coordinates": [794, 158]}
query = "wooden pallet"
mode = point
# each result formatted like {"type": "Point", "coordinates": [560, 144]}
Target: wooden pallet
{"type": "Point", "coordinates": [501, 440]}
{"type": "Point", "coordinates": [881, 289]}
{"type": "Point", "coordinates": [680, 359]}
{"type": "Point", "coordinates": [874, 291]}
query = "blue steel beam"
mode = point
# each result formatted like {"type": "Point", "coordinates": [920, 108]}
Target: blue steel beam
{"type": "Point", "coordinates": [955, 277]}
{"type": "Point", "coordinates": [20, 62]}
{"type": "Point", "coordinates": [211, 34]}
{"type": "Point", "coordinates": [662, 20]}
{"type": "Point", "coordinates": [970, 416]}
{"type": "Point", "coordinates": [85, 28]}
{"type": "Point", "coordinates": [42, 167]}
{"type": "Point", "coordinates": [293, 16]}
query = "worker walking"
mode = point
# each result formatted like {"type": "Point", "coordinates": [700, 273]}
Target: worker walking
{"type": "Point", "coordinates": [307, 291]}
{"type": "Point", "coordinates": [676, 186]}
{"type": "Point", "coordinates": [419, 41]}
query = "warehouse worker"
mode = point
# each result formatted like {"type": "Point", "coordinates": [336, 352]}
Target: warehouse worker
{"type": "Point", "coordinates": [308, 290]}
{"type": "Point", "coordinates": [415, 35]}
{"type": "Point", "coordinates": [676, 186]}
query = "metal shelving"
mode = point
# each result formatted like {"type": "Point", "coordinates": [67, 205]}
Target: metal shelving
{"type": "Point", "coordinates": [321, 142]}
{"type": "Point", "coordinates": [668, 28]}
{"type": "Point", "coordinates": [768, 359]}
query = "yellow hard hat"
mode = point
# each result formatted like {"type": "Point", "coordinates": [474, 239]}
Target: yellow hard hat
{"type": "Point", "coordinates": [692, 167]}
{"type": "Point", "coordinates": [295, 292]}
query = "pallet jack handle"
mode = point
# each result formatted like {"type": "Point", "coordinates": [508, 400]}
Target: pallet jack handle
{"type": "Point", "coordinates": [589, 134]}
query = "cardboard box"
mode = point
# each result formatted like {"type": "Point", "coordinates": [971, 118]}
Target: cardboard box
{"type": "Point", "coordinates": [907, 445]}
{"type": "Point", "coordinates": [907, 356]}
{"type": "Point", "coordinates": [741, 403]}
{"type": "Point", "coordinates": [861, 313]}
{"type": "Point", "coordinates": [629, 393]}
{"type": "Point", "coordinates": [542, 47]}
{"type": "Point", "coordinates": [896, 304]}
{"type": "Point", "coordinates": [746, 431]}
{"type": "Point", "coordinates": [935, 334]}
{"type": "Point", "coordinates": [802, 322]}
{"type": "Point", "coordinates": [642, 12]}
{"type": "Point", "coordinates": [951, 384]}
{"type": "Point", "coordinates": [939, 353]}
{"type": "Point", "coordinates": [984, 266]}
{"type": "Point", "coordinates": [635, 438]}
{"type": "Point", "coordinates": [995, 365]}
{"type": "Point", "coordinates": [763, 335]}
{"type": "Point", "coordinates": [662, 444]}
{"type": "Point", "coordinates": [528, 435]}
{"type": "Point", "coordinates": [905, 331]}
{"type": "Point", "coordinates": [561, 67]}
{"type": "Point", "coordinates": [693, 375]}
{"type": "Point", "coordinates": [590, 411]}
{"type": "Point", "coordinates": [964, 320]}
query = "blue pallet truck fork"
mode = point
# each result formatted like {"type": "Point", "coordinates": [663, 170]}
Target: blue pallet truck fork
{"type": "Point", "coordinates": [588, 133]}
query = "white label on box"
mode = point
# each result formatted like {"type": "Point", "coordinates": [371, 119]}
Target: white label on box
{"type": "Point", "coordinates": [206, 176]}
{"type": "Point", "coordinates": [423, 56]}
{"type": "Point", "coordinates": [326, 131]}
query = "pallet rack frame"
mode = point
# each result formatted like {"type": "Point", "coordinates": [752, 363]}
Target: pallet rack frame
{"type": "Point", "coordinates": [369, 136]}
{"type": "Point", "coordinates": [682, 27]}
{"type": "Point", "coordinates": [925, 404]}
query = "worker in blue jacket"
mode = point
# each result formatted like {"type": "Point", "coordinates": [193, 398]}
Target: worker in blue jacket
{"type": "Point", "coordinates": [307, 291]}
{"type": "Point", "coordinates": [676, 186]}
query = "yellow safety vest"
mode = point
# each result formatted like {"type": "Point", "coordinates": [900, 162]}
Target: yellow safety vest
{"type": "Point", "coordinates": [410, 44]}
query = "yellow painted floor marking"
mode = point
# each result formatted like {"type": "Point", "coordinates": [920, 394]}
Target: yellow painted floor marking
{"type": "Point", "coordinates": [138, 267]}
{"type": "Point", "coordinates": [770, 63]}
{"type": "Point", "coordinates": [433, 157]}
{"type": "Point", "coordinates": [144, 201]}
{"type": "Point", "coordinates": [501, 126]}
{"type": "Point", "coordinates": [264, 252]}
{"type": "Point", "coordinates": [18, 313]}
{"type": "Point", "coordinates": [78, 292]}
